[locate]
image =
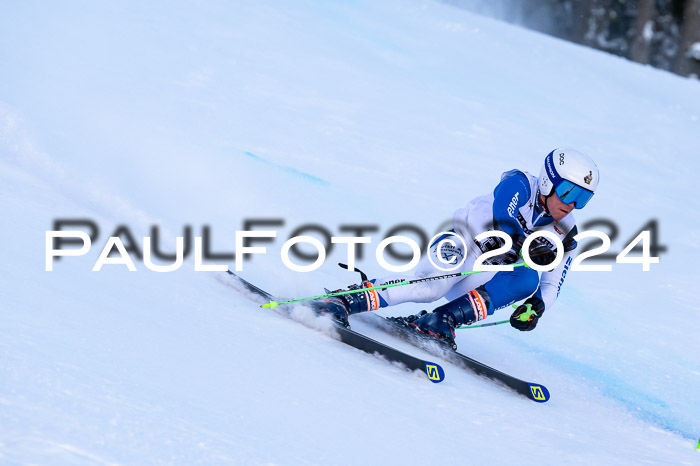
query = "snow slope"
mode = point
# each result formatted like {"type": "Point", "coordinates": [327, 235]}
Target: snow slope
{"type": "Point", "coordinates": [343, 112]}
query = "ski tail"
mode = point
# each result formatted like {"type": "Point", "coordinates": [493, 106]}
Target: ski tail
{"type": "Point", "coordinates": [433, 371]}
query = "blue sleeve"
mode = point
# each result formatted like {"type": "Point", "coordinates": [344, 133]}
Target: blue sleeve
{"type": "Point", "coordinates": [511, 194]}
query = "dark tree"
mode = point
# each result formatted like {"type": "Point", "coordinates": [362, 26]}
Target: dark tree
{"type": "Point", "coordinates": [688, 57]}
{"type": "Point", "coordinates": [662, 33]}
{"type": "Point", "coordinates": [643, 31]}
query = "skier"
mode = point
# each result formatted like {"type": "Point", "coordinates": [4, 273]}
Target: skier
{"type": "Point", "coordinates": [520, 205]}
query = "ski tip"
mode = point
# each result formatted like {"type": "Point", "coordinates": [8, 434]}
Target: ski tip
{"type": "Point", "coordinates": [434, 372]}
{"type": "Point", "coordinates": [271, 304]}
{"type": "Point", "coordinates": [539, 393]}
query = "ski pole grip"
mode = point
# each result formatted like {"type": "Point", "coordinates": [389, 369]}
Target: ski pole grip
{"type": "Point", "coordinates": [527, 315]}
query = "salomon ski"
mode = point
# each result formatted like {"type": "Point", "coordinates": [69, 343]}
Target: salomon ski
{"type": "Point", "coordinates": [398, 327]}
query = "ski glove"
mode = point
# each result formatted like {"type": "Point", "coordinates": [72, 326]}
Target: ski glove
{"type": "Point", "coordinates": [540, 253]}
{"type": "Point", "coordinates": [527, 314]}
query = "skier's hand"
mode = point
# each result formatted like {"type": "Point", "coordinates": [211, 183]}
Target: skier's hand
{"type": "Point", "coordinates": [527, 314]}
{"type": "Point", "coordinates": [540, 254]}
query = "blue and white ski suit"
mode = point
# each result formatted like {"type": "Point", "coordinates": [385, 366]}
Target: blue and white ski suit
{"type": "Point", "coordinates": [515, 208]}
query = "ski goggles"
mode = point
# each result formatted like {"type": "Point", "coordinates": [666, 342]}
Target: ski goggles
{"type": "Point", "coordinates": [570, 192]}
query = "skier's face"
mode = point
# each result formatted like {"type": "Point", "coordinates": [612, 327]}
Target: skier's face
{"type": "Point", "coordinates": [557, 208]}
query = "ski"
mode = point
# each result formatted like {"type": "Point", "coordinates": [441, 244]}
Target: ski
{"type": "Point", "coordinates": [534, 391]}
{"type": "Point", "coordinates": [433, 371]}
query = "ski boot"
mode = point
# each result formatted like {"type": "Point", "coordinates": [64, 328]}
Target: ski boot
{"type": "Point", "coordinates": [442, 322]}
{"type": "Point", "coordinates": [343, 306]}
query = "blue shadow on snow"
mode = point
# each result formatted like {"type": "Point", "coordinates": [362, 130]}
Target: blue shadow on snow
{"type": "Point", "coordinates": [293, 171]}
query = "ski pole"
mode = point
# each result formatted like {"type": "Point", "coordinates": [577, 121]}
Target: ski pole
{"type": "Point", "coordinates": [484, 325]}
{"type": "Point", "coordinates": [525, 316]}
{"type": "Point", "coordinates": [273, 304]}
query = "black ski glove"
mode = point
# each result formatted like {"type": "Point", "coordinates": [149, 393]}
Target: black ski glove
{"type": "Point", "coordinates": [527, 314]}
{"type": "Point", "coordinates": [540, 254]}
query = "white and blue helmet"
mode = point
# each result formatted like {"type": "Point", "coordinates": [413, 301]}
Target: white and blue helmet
{"type": "Point", "coordinates": [572, 174]}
